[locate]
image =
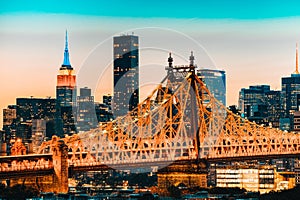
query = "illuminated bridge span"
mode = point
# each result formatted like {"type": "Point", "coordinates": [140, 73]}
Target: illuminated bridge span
{"type": "Point", "coordinates": [179, 120]}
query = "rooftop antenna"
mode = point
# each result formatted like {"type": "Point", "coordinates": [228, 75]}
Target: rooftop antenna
{"type": "Point", "coordinates": [192, 58]}
{"type": "Point", "coordinates": [66, 61]}
{"type": "Point", "coordinates": [170, 60]}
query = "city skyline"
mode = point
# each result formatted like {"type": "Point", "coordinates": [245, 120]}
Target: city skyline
{"type": "Point", "coordinates": [252, 50]}
{"type": "Point", "coordinates": [182, 61]}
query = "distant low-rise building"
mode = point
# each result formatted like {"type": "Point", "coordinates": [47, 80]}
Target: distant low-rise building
{"type": "Point", "coordinates": [38, 133]}
{"type": "Point", "coordinates": [86, 115]}
{"type": "Point", "coordinates": [261, 179]}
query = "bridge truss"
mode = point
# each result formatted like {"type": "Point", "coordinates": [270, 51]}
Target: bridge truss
{"type": "Point", "coordinates": [180, 119]}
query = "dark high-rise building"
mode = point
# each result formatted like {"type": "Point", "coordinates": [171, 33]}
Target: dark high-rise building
{"type": "Point", "coordinates": [273, 100]}
{"type": "Point", "coordinates": [66, 81]}
{"type": "Point", "coordinates": [259, 103]}
{"type": "Point", "coordinates": [38, 132]}
{"type": "Point", "coordinates": [290, 90]}
{"type": "Point", "coordinates": [107, 100]}
{"type": "Point", "coordinates": [215, 81]}
{"type": "Point", "coordinates": [18, 120]}
{"type": "Point", "coordinates": [290, 95]}
{"type": "Point", "coordinates": [103, 113]}
{"type": "Point", "coordinates": [86, 116]}
{"type": "Point", "coordinates": [28, 109]}
{"type": "Point", "coordinates": [66, 95]}
{"type": "Point", "coordinates": [126, 74]}
{"type": "Point", "coordinates": [9, 123]}
{"type": "Point", "coordinates": [103, 110]}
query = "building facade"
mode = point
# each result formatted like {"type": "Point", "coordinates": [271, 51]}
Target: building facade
{"type": "Point", "coordinates": [252, 103]}
{"type": "Point", "coordinates": [107, 100]}
{"type": "Point", "coordinates": [260, 104]}
{"type": "Point", "coordinates": [290, 96]}
{"type": "Point", "coordinates": [261, 179]}
{"type": "Point", "coordinates": [103, 113]}
{"type": "Point", "coordinates": [215, 81]}
{"type": "Point", "coordinates": [86, 115]}
{"type": "Point", "coordinates": [29, 109]}
{"type": "Point", "coordinates": [66, 96]}
{"type": "Point", "coordinates": [9, 123]}
{"type": "Point", "coordinates": [273, 99]}
{"type": "Point", "coordinates": [39, 128]}
{"type": "Point", "coordinates": [126, 74]}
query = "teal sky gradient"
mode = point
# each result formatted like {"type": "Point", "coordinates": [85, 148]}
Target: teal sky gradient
{"type": "Point", "coordinates": [215, 9]}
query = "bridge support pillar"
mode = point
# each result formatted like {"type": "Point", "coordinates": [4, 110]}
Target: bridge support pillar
{"type": "Point", "coordinates": [3, 150]}
{"type": "Point", "coordinates": [188, 173]}
{"type": "Point", "coordinates": [60, 164]}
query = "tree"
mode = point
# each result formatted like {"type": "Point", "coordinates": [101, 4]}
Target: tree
{"type": "Point", "coordinates": [18, 192]}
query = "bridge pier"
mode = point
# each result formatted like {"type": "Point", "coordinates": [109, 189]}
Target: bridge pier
{"type": "Point", "coordinates": [189, 173]}
{"type": "Point", "coordinates": [60, 164]}
{"type": "Point", "coordinates": [3, 149]}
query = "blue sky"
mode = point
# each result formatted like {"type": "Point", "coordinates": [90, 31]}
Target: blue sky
{"type": "Point", "coordinates": [215, 9]}
{"type": "Point", "coordinates": [253, 41]}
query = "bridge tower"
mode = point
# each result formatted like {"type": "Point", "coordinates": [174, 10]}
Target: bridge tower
{"type": "Point", "coordinates": [191, 173]}
{"type": "Point", "coordinates": [60, 164]}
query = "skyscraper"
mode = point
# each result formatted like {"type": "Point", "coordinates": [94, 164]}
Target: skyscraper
{"type": "Point", "coordinates": [66, 81]}
{"type": "Point", "coordinates": [38, 132]}
{"type": "Point", "coordinates": [9, 122]}
{"type": "Point", "coordinates": [29, 109]}
{"type": "Point", "coordinates": [66, 94]}
{"type": "Point", "coordinates": [260, 104]}
{"type": "Point", "coordinates": [126, 74]}
{"type": "Point", "coordinates": [253, 104]}
{"type": "Point", "coordinates": [215, 81]}
{"type": "Point", "coordinates": [103, 110]}
{"type": "Point", "coordinates": [86, 115]}
{"type": "Point", "coordinates": [290, 94]}
{"type": "Point", "coordinates": [273, 98]}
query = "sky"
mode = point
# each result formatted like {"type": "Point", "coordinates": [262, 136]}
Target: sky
{"type": "Point", "coordinates": [253, 41]}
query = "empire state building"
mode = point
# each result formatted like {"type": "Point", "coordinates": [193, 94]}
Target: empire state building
{"type": "Point", "coordinates": [66, 93]}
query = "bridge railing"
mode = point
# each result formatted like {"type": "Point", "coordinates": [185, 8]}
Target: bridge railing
{"type": "Point", "coordinates": [25, 165]}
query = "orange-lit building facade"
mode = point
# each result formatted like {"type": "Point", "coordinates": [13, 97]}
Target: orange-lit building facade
{"type": "Point", "coordinates": [66, 95]}
{"type": "Point", "coordinates": [261, 179]}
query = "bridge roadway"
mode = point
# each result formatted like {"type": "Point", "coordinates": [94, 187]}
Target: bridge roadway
{"type": "Point", "coordinates": [20, 166]}
{"type": "Point", "coordinates": [136, 167]}
{"type": "Point", "coordinates": [15, 167]}
{"type": "Point", "coordinates": [40, 170]}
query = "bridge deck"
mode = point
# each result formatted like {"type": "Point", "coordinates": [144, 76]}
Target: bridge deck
{"type": "Point", "coordinates": [32, 157]}
{"type": "Point", "coordinates": [26, 173]}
